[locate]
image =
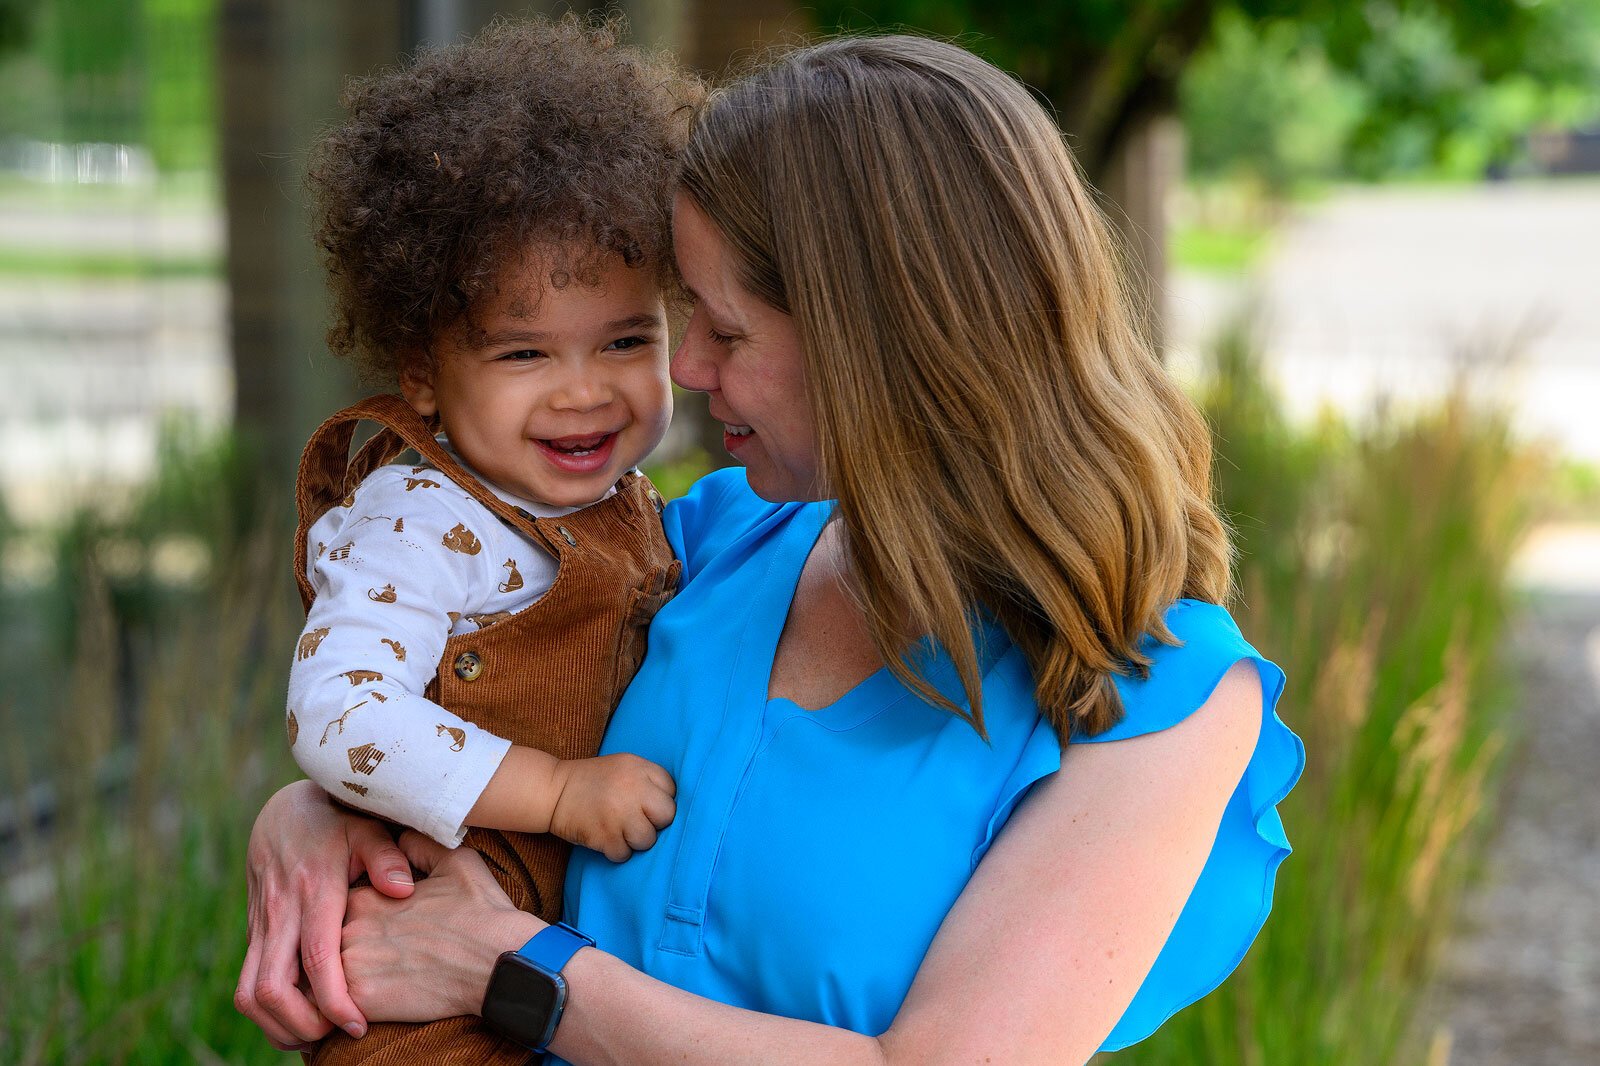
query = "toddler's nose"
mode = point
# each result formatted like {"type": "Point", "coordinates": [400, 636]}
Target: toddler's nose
{"type": "Point", "coordinates": [582, 392]}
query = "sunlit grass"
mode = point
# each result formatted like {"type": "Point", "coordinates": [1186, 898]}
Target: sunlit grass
{"type": "Point", "coordinates": [1214, 250]}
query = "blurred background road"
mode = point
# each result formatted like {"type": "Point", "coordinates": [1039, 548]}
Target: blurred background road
{"type": "Point", "coordinates": [1394, 295]}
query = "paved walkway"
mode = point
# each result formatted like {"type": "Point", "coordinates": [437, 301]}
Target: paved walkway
{"type": "Point", "coordinates": [1522, 982]}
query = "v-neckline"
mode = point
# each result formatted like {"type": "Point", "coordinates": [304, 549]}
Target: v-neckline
{"type": "Point", "coordinates": [873, 693]}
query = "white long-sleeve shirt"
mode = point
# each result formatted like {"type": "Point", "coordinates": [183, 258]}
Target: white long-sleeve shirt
{"type": "Point", "coordinates": [411, 562]}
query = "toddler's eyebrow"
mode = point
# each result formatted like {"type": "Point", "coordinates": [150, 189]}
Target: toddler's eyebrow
{"type": "Point", "coordinates": [643, 320]}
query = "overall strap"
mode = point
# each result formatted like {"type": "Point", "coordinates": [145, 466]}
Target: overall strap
{"type": "Point", "coordinates": [328, 474]}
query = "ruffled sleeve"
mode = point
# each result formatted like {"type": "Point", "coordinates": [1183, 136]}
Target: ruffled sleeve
{"type": "Point", "coordinates": [1231, 900]}
{"type": "Point", "coordinates": [715, 511]}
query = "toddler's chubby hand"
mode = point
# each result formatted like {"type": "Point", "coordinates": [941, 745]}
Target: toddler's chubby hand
{"type": "Point", "coordinates": [614, 804]}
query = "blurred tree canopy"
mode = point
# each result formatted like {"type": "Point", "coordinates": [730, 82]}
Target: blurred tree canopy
{"type": "Point", "coordinates": [1388, 85]}
{"type": "Point", "coordinates": [120, 71]}
{"type": "Point", "coordinates": [16, 24]}
{"type": "Point", "coordinates": [1413, 91]}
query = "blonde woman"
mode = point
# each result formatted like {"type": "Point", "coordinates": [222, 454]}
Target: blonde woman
{"type": "Point", "coordinates": [971, 765]}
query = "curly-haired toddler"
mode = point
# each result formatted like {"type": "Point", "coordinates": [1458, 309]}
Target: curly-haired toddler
{"type": "Point", "coordinates": [495, 219]}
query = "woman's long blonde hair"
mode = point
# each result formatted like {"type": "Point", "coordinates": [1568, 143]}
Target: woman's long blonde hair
{"type": "Point", "coordinates": [997, 431]}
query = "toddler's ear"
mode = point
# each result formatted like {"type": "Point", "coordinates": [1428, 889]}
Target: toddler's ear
{"type": "Point", "coordinates": [416, 385]}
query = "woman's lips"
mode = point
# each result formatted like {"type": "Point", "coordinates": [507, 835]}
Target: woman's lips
{"type": "Point", "coordinates": [579, 454]}
{"type": "Point", "coordinates": [735, 436]}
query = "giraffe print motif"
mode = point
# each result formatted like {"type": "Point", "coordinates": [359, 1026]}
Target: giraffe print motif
{"type": "Point", "coordinates": [339, 721]}
{"type": "Point", "coordinates": [513, 580]}
{"type": "Point", "coordinates": [361, 677]}
{"type": "Point", "coordinates": [365, 758]}
{"type": "Point", "coordinates": [386, 596]}
{"type": "Point", "coordinates": [463, 540]}
{"type": "Point", "coordinates": [309, 642]}
{"type": "Point", "coordinates": [395, 646]}
{"type": "Point", "coordinates": [458, 737]}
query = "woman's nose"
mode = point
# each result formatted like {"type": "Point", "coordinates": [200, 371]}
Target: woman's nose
{"type": "Point", "coordinates": [694, 364]}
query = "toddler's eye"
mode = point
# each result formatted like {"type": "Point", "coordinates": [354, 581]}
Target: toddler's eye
{"type": "Point", "coordinates": [624, 343]}
{"type": "Point", "coordinates": [523, 356]}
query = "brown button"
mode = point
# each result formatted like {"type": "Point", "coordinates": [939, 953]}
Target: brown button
{"type": "Point", "coordinates": [468, 666]}
{"type": "Point", "coordinates": [567, 536]}
{"type": "Point", "coordinates": [655, 500]}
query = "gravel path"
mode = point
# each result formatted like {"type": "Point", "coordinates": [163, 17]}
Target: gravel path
{"type": "Point", "coordinates": [1522, 982]}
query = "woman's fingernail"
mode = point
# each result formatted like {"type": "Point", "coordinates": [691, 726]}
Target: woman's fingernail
{"type": "Point", "coordinates": [400, 877]}
{"type": "Point", "coordinates": [356, 1030]}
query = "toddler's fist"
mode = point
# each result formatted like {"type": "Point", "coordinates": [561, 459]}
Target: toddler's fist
{"type": "Point", "coordinates": [614, 804]}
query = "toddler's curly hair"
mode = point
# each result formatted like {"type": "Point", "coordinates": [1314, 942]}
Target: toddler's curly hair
{"type": "Point", "coordinates": [534, 136]}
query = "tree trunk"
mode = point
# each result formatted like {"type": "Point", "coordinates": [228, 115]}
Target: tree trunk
{"type": "Point", "coordinates": [282, 65]}
{"type": "Point", "coordinates": [1135, 186]}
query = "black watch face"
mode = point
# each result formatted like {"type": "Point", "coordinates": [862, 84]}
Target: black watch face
{"type": "Point", "coordinates": [522, 1001]}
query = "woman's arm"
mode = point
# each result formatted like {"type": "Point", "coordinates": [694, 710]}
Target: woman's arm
{"type": "Point", "coordinates": [1038, 959]}
{"type": "Point", "coordinates": [304, 854]}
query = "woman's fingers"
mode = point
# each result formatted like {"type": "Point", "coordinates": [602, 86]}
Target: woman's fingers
{"type": "Point", "coordinates": [374, 852]}
{"type": "Point", "coordinates": [321, 931]}
{"type": "Point", "coordinates": [244, 995]}
{"type": "Point", "coordinates": [277, 1005]}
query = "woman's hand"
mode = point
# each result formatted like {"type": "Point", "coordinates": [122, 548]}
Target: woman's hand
{"type": "Point", "coordinates": [430, 956]}
{"type": "Point", "coordinates": [304, 854]}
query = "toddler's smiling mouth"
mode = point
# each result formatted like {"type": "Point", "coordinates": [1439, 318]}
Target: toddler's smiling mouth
{"type": "Point", "coordinates": [578, 446]}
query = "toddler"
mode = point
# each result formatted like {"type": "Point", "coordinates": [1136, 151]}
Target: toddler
{"type": "Point", "coordinates": [495, 218]}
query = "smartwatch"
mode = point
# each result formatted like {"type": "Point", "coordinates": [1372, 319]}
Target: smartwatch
{"type": "Point", "coordinates": [527, 992]}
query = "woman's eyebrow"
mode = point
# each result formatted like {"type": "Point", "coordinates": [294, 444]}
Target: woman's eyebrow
{"type": "Point", "coordinates": [716, 311]}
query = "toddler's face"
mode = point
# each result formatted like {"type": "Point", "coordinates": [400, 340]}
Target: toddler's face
{"type": "Point", "coordinates": [562, 390]}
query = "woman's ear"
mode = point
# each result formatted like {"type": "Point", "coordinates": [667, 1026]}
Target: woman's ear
{"type": "Point", "coordinates": [416, 385]}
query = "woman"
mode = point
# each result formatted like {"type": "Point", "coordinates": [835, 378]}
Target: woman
{"type": "Point", "coordinates": [905, 303]}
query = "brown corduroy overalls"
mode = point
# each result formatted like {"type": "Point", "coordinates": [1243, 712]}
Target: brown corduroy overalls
{"type": "Point", "coordinates": [547, 677]}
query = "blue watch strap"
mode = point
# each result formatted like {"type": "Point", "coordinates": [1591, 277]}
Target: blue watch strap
{"type": "Point", "coordinates": [553, 946]}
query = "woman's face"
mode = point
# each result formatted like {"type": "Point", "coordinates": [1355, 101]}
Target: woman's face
{"type": "Point", "coordinates": [745, 356]}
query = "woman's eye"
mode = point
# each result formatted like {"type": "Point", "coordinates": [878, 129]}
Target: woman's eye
{"type": "Point", "coordinates": [718, 338]}
{"type": "Point", "coordinates": [522, 356]}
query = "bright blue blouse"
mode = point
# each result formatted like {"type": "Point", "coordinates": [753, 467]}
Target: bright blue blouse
{"type": "Point", "coordinates": [815, 853]}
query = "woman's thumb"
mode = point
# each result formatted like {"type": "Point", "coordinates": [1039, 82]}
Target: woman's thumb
{"type": "Point", "coordinates": [372, 850]}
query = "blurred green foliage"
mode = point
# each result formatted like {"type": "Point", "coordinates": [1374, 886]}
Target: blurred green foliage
{"type": "Point", "coordinates": [139, 745]}
{"type": "Point", "coordinates": [1286, 89]}
{"type": "Point", "coordinates": [118, 71]}
{"type": "Point", "coordinates": [1387, 90]}
{"type": "Point", "coordinates": [16, 24]}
